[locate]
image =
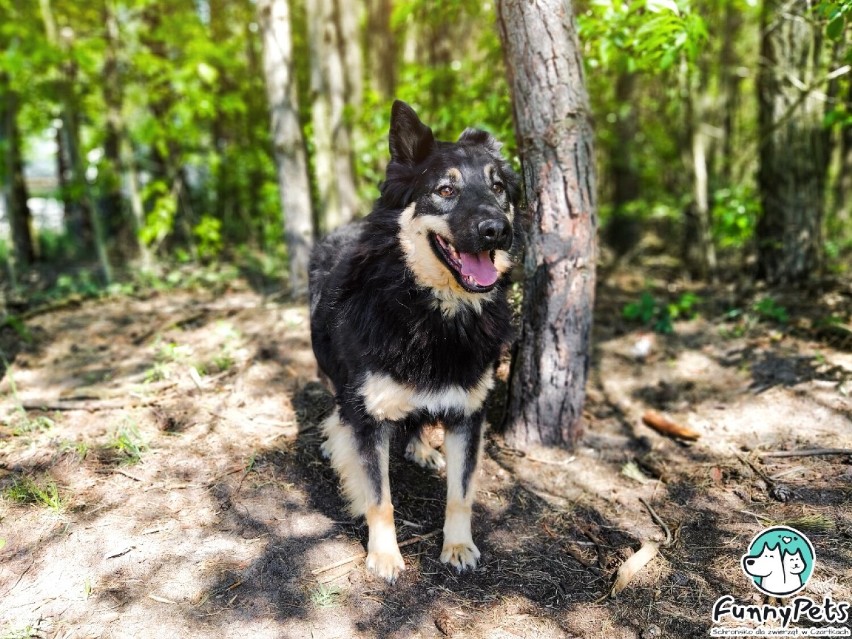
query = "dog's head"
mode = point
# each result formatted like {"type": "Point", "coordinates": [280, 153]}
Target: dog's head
{"type": "Point", "coordinates": [764, 564]}
{"type": "Point", "coordinates": [458, 204]}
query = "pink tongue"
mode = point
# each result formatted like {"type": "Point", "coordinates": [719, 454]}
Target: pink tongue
{"type": "Point", "coordinates": [479, 267]}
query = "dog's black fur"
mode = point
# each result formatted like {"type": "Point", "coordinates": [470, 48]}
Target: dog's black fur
{"type": "Point", "coordinates": [385, 308]}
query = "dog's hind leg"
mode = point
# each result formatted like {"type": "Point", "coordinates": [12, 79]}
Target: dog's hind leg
{"type": "Point", "coordinates": [463, 449]}
{"type": "Point", "coordinates": [420, 451]}
{"type": "Point", "coordinates": [362, 462]}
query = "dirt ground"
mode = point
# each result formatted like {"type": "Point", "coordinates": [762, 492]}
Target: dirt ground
{"type": "Point", "coordinates": [160, 477]}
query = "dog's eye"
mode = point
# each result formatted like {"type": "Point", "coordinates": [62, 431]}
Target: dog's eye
{"type": "Point", "coordinates": [445, 191]}
{"type": "Point", "coordinates": [498, 188]}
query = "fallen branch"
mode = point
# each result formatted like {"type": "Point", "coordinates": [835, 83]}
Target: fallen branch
{"type": "Point", "coordinates": [658, 520]}
{"type": "Point", "coordinates": [769, 481]}
{"type": "Point", "coordinates": [362, 555]}
{"type": "Point", "coordinates": [807, 452]}
{"type": "Point", "coordinates": [665, 426]}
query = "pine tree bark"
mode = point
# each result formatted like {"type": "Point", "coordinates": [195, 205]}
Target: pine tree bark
{"type": "Point", "coordinates": [290, 155]}
{"type": "Point", "coordinates": [794, 148]}
{"type": "Point", "coordinates": [553, 128]}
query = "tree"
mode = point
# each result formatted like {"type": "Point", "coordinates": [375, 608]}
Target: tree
{"type": "Point", "coordinates": [290, 155]}
{"type": "Point", "coordinates": [338, 198]}
{"type": "Point", "coordinates": [69, 117]}
{"type": "Point", "coordinates": [380, 47]}
{"type": "Point", "coordinates": [794, 151]}
{"type": "Point", "coordinates": [554, 134]}
{"type": "Point", "coordinates": [12, 171]}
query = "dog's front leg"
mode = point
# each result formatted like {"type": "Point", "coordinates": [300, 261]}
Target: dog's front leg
{"type": "Point", "coordinates": [358, 448]}
{"type": "Point", "coordinates": [462, 449]}
{"type": "Point", "coordinates": [383, 556]}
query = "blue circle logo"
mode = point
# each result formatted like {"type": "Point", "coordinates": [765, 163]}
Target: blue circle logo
{"type": "Point", "coordinates": [779, 561]}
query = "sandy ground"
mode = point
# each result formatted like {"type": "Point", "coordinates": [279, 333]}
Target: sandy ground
{"type": "Point", "coordinates": [174, 441]}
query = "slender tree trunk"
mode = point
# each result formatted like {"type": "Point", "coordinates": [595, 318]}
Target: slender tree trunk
{"type": "Point", "coordinates": [290, 155]}
{"type": "Point", "coordinates": [331, 134]}
{"type": "Point", "coordinates": [256, 108]}
{"type": "Point", "coordinates": [225, 132]}
{"type": "Point", "coordinates": [72, 144]}
{"type": "Point", "coordinates": [14, 185]}
{"type": "Point", "coordinates": [380, 44]}
{"type": "Point", "coordinates": [553, 127]}
{"type": "Point", "coordinates": [623, 229]}
{"type": "Point", "coordinates": [347, 16]}
{"type": "Point", "coordinates": [730, 89]}
{"type": "Point", "coordinates": [794, 148]}
{"type": "Point", "coordinates": [121, 227]}
{"type": "Point", "coordinates": [77, 217]}
{"type": "Point", "coordinates": [165, 160]}
{"type": "Point", "coordinates": [843, 182]}
{"type": "Point", "coordinates": [699, 250]}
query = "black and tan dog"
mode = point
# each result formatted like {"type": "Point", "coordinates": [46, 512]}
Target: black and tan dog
{"type": "Point", "coordinates": [408, 318]}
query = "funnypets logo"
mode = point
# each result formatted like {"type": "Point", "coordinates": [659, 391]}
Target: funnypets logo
{"type": "Point", "coordinates": [779, 562]}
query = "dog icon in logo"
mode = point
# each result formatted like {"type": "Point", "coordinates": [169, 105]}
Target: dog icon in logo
{"type": "Point", "coordinates": [779, 561]}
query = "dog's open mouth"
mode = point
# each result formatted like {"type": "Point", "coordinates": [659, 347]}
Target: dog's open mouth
{"type": "Point", "coordinates": [474, 271]}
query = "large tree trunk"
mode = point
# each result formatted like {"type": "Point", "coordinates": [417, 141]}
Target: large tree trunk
{"type": "Point", "coordinates": [14, 186]}
{"type": "Point", "coordinates": [554, 133]}
{"type": "Point", "coordinates": [332, 136]}
{"type": "Point", "coordinates": [290, 155]}
{"type": "Point", "coordinates": [794, 144]}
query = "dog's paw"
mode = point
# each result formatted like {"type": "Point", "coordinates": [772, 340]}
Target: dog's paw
{"type": "Point", "coordinates": [386, 565]}
{"type": "Point", "coordinates": [461, 556]}
{"type": "Point", "coordinates": [424, 455]}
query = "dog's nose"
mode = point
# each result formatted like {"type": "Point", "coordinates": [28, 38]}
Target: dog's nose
{"type": "Point", "coordinates": [496, 233]}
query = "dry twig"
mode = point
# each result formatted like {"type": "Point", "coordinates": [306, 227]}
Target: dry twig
{"type": "Point", "coordinates": [807, 452]}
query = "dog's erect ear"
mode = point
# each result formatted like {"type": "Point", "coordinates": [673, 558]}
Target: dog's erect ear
{"type": "Point", "coordinates": [410, 140]}
{"type": "Point", "coordinates": [481, 138]}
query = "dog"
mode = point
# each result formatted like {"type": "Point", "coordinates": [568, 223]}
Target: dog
{"type": "Point", "coordinates": [408, 320]}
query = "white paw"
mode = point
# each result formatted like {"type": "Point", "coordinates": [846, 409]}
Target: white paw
{"type": "Point", "coordinates": [386, 565]}
{"type": "Point", "coordinates": [461, 556]}
{"type": "Point", "coordinates": [424, 455]}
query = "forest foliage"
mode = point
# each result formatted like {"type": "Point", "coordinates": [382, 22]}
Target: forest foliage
{"type": "Point", "coordinates": [147, 122]}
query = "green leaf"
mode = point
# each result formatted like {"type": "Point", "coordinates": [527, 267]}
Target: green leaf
{"type": "Point", "coordinates": [834, 30]}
